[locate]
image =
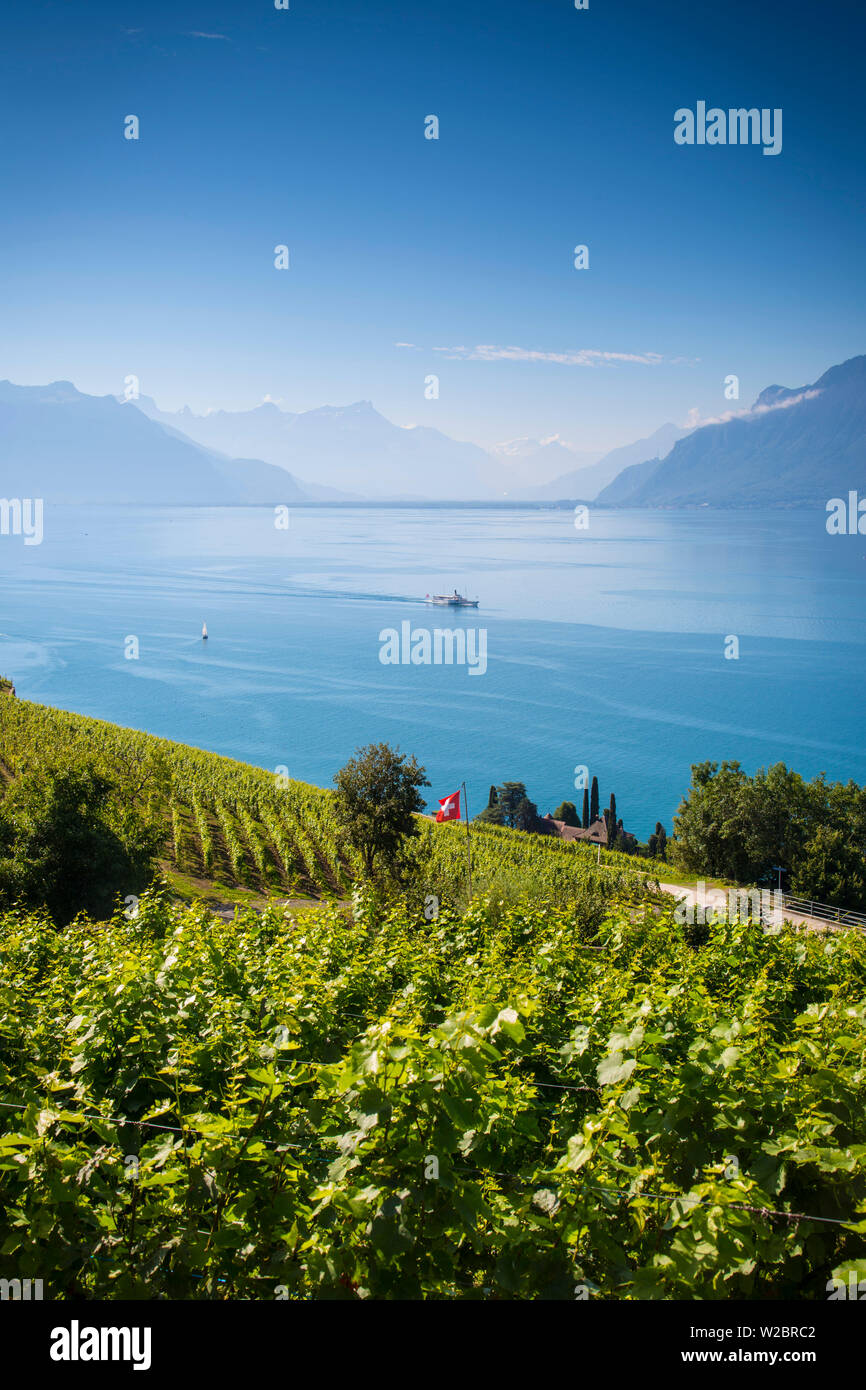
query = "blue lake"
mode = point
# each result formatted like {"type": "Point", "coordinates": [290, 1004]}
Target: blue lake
{"type": "Point", "coordinates": [605, 646]}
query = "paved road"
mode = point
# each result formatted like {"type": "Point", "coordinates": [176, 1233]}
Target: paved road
{"type": "Point", "coordinates": [717, 898]}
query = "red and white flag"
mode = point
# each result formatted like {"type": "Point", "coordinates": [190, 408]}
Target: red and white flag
{"type": "Point", "coordinates": [449, 807]}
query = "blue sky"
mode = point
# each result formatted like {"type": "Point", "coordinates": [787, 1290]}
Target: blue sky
{"type": "Point", "coordinates": [306, 127]}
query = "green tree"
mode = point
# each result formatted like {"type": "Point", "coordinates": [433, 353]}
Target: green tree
{"type": "Point", "coordinates": [566, 811]}
{"type": "Point", "coordinates": [585, 816]}
{"type": "Point", "coordinates": [376, 804]}
{"type": "Point", "coordinates": [778, 813]}
{"type": "Point", "coordinates": [491, 800]}
{"type": "Point", "coordinates": [845, 804]}
{"type": "Point", "coordinates": [831, 870]}
{"type": "Point", "coordinates": [520, 812]}
{"type": "Point", "coordinates": [657, 844]}
{"type": "Point", "coordinates": [513, 808]}
{"type": "Point", "coordinates": [593, 802]}
{"type": "Point", "coordinates": [71, 842]}
{"type": "Point", "coordinates": [740, 827]}
{"type": "Point", "coordinates": [708, 825]}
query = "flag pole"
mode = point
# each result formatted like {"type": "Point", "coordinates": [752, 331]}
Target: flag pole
{"type": "Point", "coordinates": [468, 841]}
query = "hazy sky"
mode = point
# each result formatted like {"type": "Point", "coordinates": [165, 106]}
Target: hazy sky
{"type": "Point", "coordinates": [306, 127]}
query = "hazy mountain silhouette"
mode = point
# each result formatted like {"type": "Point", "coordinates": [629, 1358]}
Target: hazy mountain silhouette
{"type": "Point", "coordinates": [64, 446]}
{"type": "Point", "coordinates": [351, 448]}
{"type": "Point", "coordinates": [584, 484]}
{"type": "Point", "coordinates": [796, 447]}
{"type": "Point", "coordinates": [521, 467]}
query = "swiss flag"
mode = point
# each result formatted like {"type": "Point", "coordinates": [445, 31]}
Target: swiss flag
{"type": "Point", "coordinates": [449, 807]}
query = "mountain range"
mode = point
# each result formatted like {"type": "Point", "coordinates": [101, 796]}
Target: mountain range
{"type": "Point", "coordinates": [351, 449]}
{"type": "Point", "coordinates": [584, 484]}
{"type": "Point", "coordinates": [794, 447]}
{"type": "Point", "coordinates": [348, 447]}
{"type": "Point", "coordinates": [60, 444]}
{"type": "Point", "coordinates": [526, 463]}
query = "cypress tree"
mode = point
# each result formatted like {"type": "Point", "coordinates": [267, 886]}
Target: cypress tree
{"type": "Point", "coordinates": [585, 817]}
{"type": "Point", "coordinates": [593, 801]}
{"type": "Point", "coordinates": [613, 810]}
{"type": "Point", "coordinates": [492, 798]}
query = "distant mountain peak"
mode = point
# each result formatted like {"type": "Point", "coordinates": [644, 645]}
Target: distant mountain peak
{"type": "Point", "coordinates": [353, 408]}
{"type": "Point", "coordinates": [852, 372]}
{"type": "Point", "coordinates": [587, 481]}
{"type": "Point", "coordinates": [525, 446]}
{"type": "Point", "coordinates": [352, 451]}
{"type": "Point", "coordinates": [73, 447]}
{"type": "Point", "coordinates": [796, 447]}
{"type": "Point", "coordinates": [772, 395]}
{"type": "Point", "coordinates": [849, 373]}
{"type": "Point", "coordinates": [53, 392]}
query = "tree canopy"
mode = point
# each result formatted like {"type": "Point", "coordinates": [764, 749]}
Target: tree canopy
{"type": "Point", "coordinates": [71, 842]}
{"type": "Point", "coordinates": [743, 828]}
{"type": "Point", "coordinates": [512, 808]}
{"type": "Point", "coordinates": [376, 804]}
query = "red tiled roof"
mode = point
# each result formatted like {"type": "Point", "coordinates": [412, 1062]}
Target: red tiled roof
{"type": "Point", "coordinates": [597, 832]}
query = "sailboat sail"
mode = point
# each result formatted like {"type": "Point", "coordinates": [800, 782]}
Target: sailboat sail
{"type": "Point", "coordinates": [204, 631]}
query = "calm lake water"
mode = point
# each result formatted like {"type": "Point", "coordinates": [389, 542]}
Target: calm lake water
{"type": "Point", "coordinates": [605, 647]}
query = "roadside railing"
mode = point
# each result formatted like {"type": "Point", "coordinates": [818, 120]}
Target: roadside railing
{"type": "Point", "coordinates": [767, 904]}
{"type": "Point", "coordinates": [807, 908]}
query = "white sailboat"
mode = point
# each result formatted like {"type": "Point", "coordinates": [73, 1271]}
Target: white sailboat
{"type": "Point", "coordinates": [204, 632]}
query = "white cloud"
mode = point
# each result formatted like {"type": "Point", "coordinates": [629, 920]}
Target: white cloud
{"type": "Point", "coordinates": [582, 357]}
{"type": "Point", "coordinates": [695, 420]}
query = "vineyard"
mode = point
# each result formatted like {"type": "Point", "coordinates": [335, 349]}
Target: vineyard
{"type": "Point", "coordinates": [547, 1089]}
{"type": "Point", "coordinates": [491, 1105]}
{"type": "Point", "coordinates": [241, 826]}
